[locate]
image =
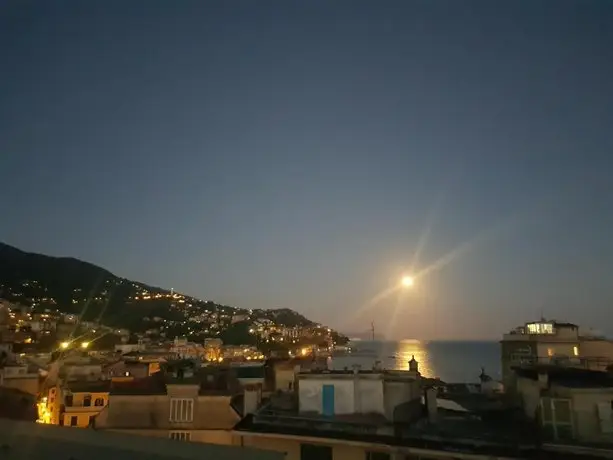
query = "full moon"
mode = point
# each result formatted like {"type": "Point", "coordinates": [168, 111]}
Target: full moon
{"type": "Point", "coordinates": [407, 281]}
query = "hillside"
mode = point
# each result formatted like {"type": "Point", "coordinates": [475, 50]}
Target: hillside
{"type": "Point", "coordinates": [73, 286]}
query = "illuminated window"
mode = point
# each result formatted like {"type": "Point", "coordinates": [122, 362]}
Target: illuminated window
{"type": "Point", "coordinates": [540, 328]}
{"type": "Point", "coordinates": [576, 351]}
{"type": "Point", "coordinates": [549, 351]}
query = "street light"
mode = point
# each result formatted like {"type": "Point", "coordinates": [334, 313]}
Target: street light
{"type": "Point", "coordinates": [407, 281]}
{"type": "Point", "coordinates": [84, 344]}
{"type": "Point", "coordinates": [64, 345]}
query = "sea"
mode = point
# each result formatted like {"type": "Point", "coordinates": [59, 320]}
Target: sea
{"type": "Point", "coordinates": [452, 362]}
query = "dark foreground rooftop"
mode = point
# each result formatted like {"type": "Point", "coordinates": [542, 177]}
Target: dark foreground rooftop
{"type": "Point", "coordinates": [32, 441]}
{"type": "Point", "coordinates": [486, 434]}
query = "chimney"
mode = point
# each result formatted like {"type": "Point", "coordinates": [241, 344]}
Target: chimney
{"type": "Point", "coordinates": [356, 369]}
{"type": "Point", "coordinates": [252, 399]}
{"type": "Point", "coordinates": [431, 404]}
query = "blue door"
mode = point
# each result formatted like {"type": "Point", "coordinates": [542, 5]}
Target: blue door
{"type": "Point", "coordinates": [327, 402]}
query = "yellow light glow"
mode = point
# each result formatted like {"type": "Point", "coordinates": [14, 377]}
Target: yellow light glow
{"type": "Point", "coordinates": [64, 345]}
{"type": "Point", "coordinates": [408, 281]}
{"type": "Point", "coordinates": [84, 344]}
{"type": "Point", "coordinates": [576, 351]}
{"type": "Point", "coordinates": [220, 359]}
{"type": "Point", "coordinates": [304, 351]}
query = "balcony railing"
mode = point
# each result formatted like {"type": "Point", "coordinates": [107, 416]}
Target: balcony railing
{"type": "Point", "coordinates": [82, 408]}
{"type": "Point", "coordinates": [592, 363]}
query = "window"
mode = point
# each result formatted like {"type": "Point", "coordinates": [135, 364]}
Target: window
{"type": "Point", "coordinates": [181, 410]}
{"type": "Point", "coordinates": [377, 456]}
{"type": "Point", "coordinates": [576, 351]}
{"type": "Point", "coordinates": [92, 420]}
{"type": "Point", "coordinates": [540, 328]}
{"type": "Point", "coordinates": [68, 400]}
{"type": "Point", "coordinates": [315, 452]}
{"type": "Point", "coordinates": [556, 418]}
{"type": "Point", "coordinates": [73, 420]}
{"type": "Point", "coordinates": [99, 402]}
{"type": "Point", "coordinates": [87, 400]}
{"type": "Point", "coordinates": [180, 435]}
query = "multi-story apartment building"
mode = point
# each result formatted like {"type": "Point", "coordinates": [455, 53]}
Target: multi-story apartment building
{"type": "Point", "coordinates": [570, 404]}
{"type": "Point", "coordinates": [183, 403]}
{"type": "Point", "coordinates": [548, 342]}
{"type": "Point", "coordinates": [75, 404]}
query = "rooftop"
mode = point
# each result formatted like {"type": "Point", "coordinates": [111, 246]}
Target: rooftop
{"type": "Point", "coordinates": [491, 432]}
{"type": "Point", "coordinates": [98, 386]}
{"type": "Point", "coordinates": [212, 381]}
{"type": "Point", "coordinates": [32, 441]}
{"type": "Point", "coordinates": [451, 434]}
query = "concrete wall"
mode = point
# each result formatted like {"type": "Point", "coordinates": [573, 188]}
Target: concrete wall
{"type": "Point", "coordinates": [28, 383]}
{"type": "Point", "coordinates": [43, 442]}
{"type": "Point", "coordinates": [396, 396]}
{"type": "Point", "coordinates": [545, 349]}
{"type": "Point", "coordinates": [584, 407]}
{"type": "Point", "coordinates": [81, 371]}
{"type": "Point", "coordinates": [341, 449]}
{"type": "Point", "coordinates": [284, 376]}
{"type": "Point", "coordinates": [369, 396]}
{"type": "Point", "coordinates": [529, 395]}
{"type": "Point", "coordinates": [152, 412]}
{"type": "Point", "coordinates": [310, 395]}
{"type": "Point", "coordinates": [597, 349]}
{"type": "Point", "coordinates": [220, 437]}
{"type": "Point", "coordinates": [585, 414]}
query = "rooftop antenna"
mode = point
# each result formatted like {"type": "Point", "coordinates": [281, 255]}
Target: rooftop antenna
{"type": "Point", "coordinates": [372, 331]}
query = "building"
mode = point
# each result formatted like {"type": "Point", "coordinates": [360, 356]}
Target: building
{"type": "Point", "coordinates": [570, 404]}
{"type": "Point", "coordinates": [183, 403]}
{"type": "Point", "coordinates": [73, 365]}
{"type": "Point", "coordinates": [129, 369]}
{"type": "Point", "coordinates": [21, 377]}
{"type": "Point", "coordinates": [546, 342]}
{"type": "Point", "coordinates": [375, 415]}
{"type": "Point", "coordinates": [74, 404]}
{"type": "Point", "coordinates": [33, 441]}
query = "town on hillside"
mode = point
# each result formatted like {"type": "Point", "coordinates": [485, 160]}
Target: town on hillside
{"type": "Point", "coordinates": [279, 393]}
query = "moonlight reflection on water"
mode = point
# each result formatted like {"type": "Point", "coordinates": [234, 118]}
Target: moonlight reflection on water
{"type": "Point", "coordinates": [449, 361]}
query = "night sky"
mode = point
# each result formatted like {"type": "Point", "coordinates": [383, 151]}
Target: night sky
{"type": "Point", "coordinates": [297, 154]}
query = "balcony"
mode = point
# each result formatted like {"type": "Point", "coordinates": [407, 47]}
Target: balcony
{"type": "Point", "coordinates": [79, 409]}
{"type": "Point", "coordinates": [590, 363]}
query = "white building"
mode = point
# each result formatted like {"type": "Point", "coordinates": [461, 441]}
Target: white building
{"type": "Point", "coordinates": [392, 395]}
{"type": "Point", "coordinates": [548, 342]}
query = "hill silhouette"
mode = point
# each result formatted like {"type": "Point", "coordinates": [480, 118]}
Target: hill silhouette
{"type": "Point", "coordinates": [73, 286]}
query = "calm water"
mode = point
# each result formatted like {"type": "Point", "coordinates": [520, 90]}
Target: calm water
{"type": "Point", "coordinates": [449, 361]}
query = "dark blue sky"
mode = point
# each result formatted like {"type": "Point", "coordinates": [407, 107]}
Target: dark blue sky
{"type": "Point", "coordinates": [292, 154]}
